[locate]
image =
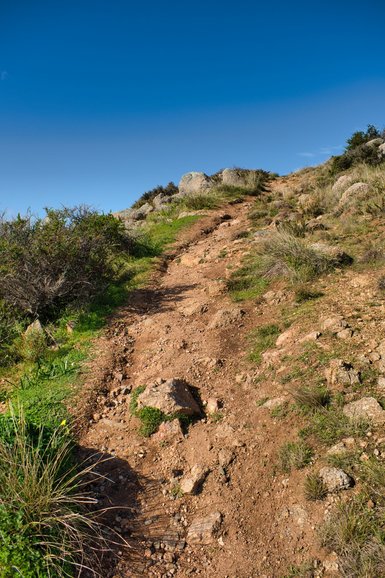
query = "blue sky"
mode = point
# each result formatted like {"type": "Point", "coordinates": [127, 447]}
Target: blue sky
{"type": "Point", "coordinates": [101, 100]}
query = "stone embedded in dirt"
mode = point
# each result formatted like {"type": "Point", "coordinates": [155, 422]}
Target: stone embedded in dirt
{"type": "Point", "coordinates": [204, 530]}
{"type": "Point", "coordinates": [341, 374]}
{"type": "Point", "coordinates": [334, 324]}
{"type": "Point", "coordinates": [192, 482]}
{"type": "Point", "coordinates": [225, 457]}
{"type": "Point", "coordinates": [274, 297]}
{"type": "Point", "coordinates": [313, 336]}
{"type": "Point", "coordinates": [365, 408]}
{"type": "Point", "coordinates": [286, 337]}
{"type": "Point", "coordinates": [342, 183]}
{"type": "Point", "coordinates": [169, 431]}
{"type": "Point", "coordinates": [172, 397]}
{"type": "Point", "coordinates": [342, 447]}
{"type": "Point", "coordinates": [213, 405]}
{"type": "Point", "coordinates": [225, 317]}
{"type": "Point", "coordinates": [381, 348]}
{"type": "Point", "coordinates": [274, 403]}
{"type": "Point", "coordinates": [189, 260]}
{"type": "Point", "coordinates": [34, 328]}
{"type": "Point", "coordinates": [335, 479]}
{"type": "Point", "coordinates": [345, 333]}
{"type": "Point", "coordinates": [381, 383]}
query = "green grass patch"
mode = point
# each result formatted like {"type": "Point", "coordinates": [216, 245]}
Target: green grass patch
{"type": "Point", "coordinates": [246, 283]}
{"type": "Point", "coordinates": [329, 425]}
{"type": "Point", "coordinates": [262, 339]}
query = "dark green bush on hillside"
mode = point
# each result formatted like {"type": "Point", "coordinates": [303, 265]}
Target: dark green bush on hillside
{"type": "Point", "coordinates": [357, 152]}
{"type": "Point", "coordinates": [168, 191]}
{"type": "Point", "coordinates": [67, 257]}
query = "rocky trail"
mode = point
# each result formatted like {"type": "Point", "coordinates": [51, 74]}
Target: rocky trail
{"type": "Point", "coordinates": [206, 499]}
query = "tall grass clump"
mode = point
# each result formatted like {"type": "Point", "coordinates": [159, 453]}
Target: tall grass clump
{"type": "Point", "coordinates": [284, 255]}
{"type": "Point", "coordinates": [46, 525]}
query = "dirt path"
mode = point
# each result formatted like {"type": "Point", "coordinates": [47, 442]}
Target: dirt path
{"type": "Point", "coordinates": [184, 325]}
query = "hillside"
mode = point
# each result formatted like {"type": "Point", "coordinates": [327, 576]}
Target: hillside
{"type": "Point", "coordinates": [234, 401]}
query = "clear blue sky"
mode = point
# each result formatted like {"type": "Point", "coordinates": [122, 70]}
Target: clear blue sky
{"type": "Point", "coordinates": [101, 100]}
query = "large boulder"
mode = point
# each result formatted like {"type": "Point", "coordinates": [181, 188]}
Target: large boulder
{"type": "Point", "coordinates": [172, 397]}
{"type": "Point", "coordinates": [353, 194]}
{"type": "Point", "coordinates": [381, 150]}
{"type": "Point", "coordinates": [141, 213]}
{"type": "Point", "coordinates": [342, 183]}
{"type": "Point", "coordinates": [194, 183]}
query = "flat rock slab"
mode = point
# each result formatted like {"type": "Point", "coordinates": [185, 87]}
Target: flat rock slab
{"type": "Point", "coordinates": [173, 397]}
{"type": "Point", "coordinates": [365, 408]}
{"type": "Point", "coordinates": [204, 530]}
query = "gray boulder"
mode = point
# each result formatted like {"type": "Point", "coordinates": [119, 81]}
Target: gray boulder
{"type": "Point", "coordinates": [194, 183]}
{"type": "Point", "coordinates": [335, 479]}
{"type": "Point", "coordinates": [375, 142]}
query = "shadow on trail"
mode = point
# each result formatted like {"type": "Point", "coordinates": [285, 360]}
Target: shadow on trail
{"type": "Point", "coordinates": [129, 524]}
{"type": "Point", "coordinates": [148, 301]}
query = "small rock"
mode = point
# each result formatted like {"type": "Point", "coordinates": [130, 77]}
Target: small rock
{"type": "Point", "coordinates": [204, 530]}
{"type": "Point", "coordinates": [169, 431]}
{"type": "Point", "coordinates": [345, 334]}
{"type": "Point", "coordinates": [334, 324]}
{"type": "Point", "coordinates": [365, 408]}
{"type": "Point", "coordinates": [225, 457]}
{"type": "Point", "coordinates": [274, 402]}
{"type": "Point", "coordinates": [335, 479]}
{"type": "Point", "coordinates": [286, 337]}
{"type": "Point", "coordinates": [226, 317]}
{"type": "Point", "coordinates": [212, 405]}
{"type": "Point", "coordinates": [192, 483]}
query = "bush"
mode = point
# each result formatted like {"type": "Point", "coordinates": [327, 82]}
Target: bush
{"type": "Point", "coordinates": [67, 257]}
{"type": "Point", "coordinates": [8, 332]}
{"type": "Point", "coordinates": [168, 191]}
{"type": "Point", "coordinates": [357, 152]}
{"type": "Point", "coordinates": [44, 528]}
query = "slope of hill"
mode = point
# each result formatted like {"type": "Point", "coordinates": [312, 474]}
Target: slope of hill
{"type": "Point", "coordinates": [234, 405]}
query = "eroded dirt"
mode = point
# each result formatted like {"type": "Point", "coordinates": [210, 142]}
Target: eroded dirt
{"type": "Point", "coordinates": [185, 325]}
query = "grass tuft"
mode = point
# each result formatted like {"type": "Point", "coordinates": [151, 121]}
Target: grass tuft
{"type": "Point", "coordinates": [295, 455]}
{"type": "Point", "coordinates": [314, 488]}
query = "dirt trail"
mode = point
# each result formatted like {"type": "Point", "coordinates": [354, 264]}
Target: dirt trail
{"type": "Point", "coordinates": [185, 325]}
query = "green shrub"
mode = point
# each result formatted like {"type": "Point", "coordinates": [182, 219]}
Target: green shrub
{"type": "Point", "coordinates": [200, 202]}
{"type": "Point", "coordinates": [357, 152]}
{"type": "Point", "coordinates": [67, 257]}
{"type": "Point", "coordinates": [329, 425]}
{"type": "Point", "coordinates": [168, 191]}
